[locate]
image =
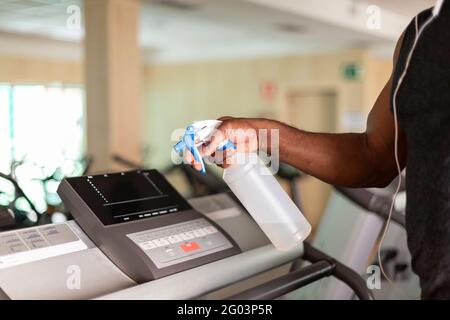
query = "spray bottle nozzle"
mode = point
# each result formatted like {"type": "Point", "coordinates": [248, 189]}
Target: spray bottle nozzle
{"type": "Point", "coordinates": [179, 146]}
{"type": "Point", "coordinates": [196, 135]}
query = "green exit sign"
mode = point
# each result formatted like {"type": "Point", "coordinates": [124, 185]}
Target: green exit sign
{"type": "Point", "coordinates": [351, 71]}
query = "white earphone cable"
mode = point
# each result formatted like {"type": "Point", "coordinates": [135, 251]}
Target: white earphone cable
{"type": "Point", "coordinates": [397, 161]}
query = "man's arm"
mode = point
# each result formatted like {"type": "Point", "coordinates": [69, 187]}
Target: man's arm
{"type": "Point", "coordinates": [349, 159]}
{"type": "Point", "coordinates": [353, 159]}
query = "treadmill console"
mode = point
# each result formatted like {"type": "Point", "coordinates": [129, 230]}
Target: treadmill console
{"type": "Point", "coordinates": [143, 224]}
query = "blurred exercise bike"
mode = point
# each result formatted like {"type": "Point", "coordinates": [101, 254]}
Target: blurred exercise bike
{"type": "Point", "coordinates": [21, 208]}
{"type": "Point", "coordinates": [13, 213]}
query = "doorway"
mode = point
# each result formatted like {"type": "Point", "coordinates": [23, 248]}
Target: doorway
{"type": "Point", "coordinates": [315, 111]}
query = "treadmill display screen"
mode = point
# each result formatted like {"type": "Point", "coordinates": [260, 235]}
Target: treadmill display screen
{"type": "Point", "coordinates": [125, 196]}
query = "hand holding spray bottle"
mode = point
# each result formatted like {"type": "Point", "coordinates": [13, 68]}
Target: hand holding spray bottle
{"type": "Point", "coordinates": [255, 186]}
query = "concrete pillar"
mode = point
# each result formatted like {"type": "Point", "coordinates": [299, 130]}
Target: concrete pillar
{"type": "Point", "coordinates": [113, 81]}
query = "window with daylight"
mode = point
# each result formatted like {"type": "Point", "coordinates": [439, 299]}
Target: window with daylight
{"type": "Point", "coordinates": [42, 130]}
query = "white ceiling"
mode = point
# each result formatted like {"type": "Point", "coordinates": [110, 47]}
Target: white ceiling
{"type": "Point", "coordinates": [202, 29]}
{"type": "Point", "coordinates": [228, 28]}
{"type": "Point", "coordinates": [404, 7]}
{"type": "Point", "coordinates": [38, 17]}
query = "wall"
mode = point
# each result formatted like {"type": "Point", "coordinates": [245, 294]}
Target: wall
{"type": "Point", "coordinates": [22, 69]}
{"type": "Point", "coordinates": [177, 94]}
{"type": "Point", "coordinates": [378, 71]}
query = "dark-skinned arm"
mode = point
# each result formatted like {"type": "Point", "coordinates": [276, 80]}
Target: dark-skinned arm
{"type": "Point", "coordinates": [349, 159]}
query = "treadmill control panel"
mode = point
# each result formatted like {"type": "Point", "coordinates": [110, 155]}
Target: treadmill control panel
{"type": "Point", "coordinates": [32, 244]}
{"type": "Point", "coordinates": [143, 224]}
{"type": "Point", "coordinates": [180, 242]}
{"type": "Point", "coordinates": [126, 196]}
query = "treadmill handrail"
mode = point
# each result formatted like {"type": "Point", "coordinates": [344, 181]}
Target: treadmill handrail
{"type": "Point", "coordinates": [377, 204]}
{"type": "Point", "coordinates": [347, 275]}
{"type": "Point", "coordinates": [287, 283]}
{"type": "Point", "coordinates": [322, 266]}
{"type": "Point", "coordinates": [199, 281]}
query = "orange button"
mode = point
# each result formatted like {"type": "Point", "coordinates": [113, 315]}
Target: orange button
{"type": "Point", "coordinates": [190, 246]}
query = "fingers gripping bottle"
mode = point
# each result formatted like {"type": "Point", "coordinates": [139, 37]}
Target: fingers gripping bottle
{"type": "Point", "coordinates": [255, 187]}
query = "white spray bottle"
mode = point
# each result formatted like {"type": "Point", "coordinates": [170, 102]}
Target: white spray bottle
{"type": "Point", "coordinates": [255, 187]}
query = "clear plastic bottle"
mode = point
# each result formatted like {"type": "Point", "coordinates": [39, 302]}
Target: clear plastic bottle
{"type": "Point", "coordinates": [264, 198]}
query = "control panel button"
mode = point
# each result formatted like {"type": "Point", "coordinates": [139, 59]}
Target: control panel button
{"type": "Point", "coordinates": [184, 236]}
{"type": "Point", "coordinates": [167, 240]}
{"type": "Point", "coordinates": [209, 230]}
{"type": "Point", "coordinates": [190, 246]}
{"type": "Point", "coordinates": [199, 233]}
{"type": "Point", "coordinates": [175, 238]}
{"type": "Point", "coordinates": [188, 235]}
{"type": "Point", "coordinates": [170, 252]}
{"type": "Point", "coordinates": [147, 245]}
{"type": "Point", "coordinates": [161, 242]}
{"type": "Point", "coordinates": [181, 242]}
